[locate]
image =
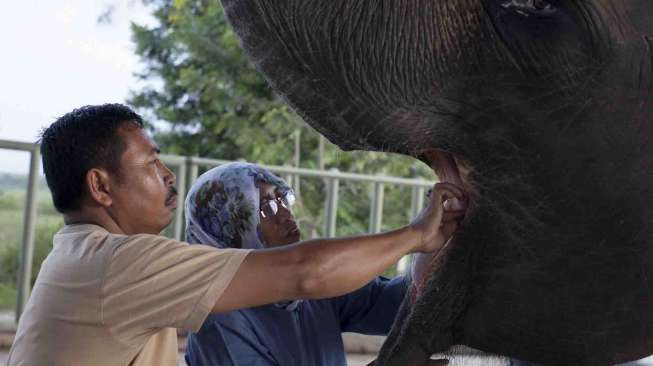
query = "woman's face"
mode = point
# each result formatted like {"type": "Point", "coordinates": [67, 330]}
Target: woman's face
{"type": "Point", "coordinates": [280, 229]}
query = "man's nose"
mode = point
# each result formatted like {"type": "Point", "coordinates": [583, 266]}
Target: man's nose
{"type": "Point", "coordinates": [168, 176]}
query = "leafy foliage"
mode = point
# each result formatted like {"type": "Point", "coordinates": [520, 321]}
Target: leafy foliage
{"type": "Point", "coordinates": [212, 101]}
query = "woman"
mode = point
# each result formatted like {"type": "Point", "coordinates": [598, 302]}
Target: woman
{"type": "Point", "coordinates": [242, 205]}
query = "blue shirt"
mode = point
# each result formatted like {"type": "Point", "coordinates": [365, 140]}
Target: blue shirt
{"type": "Point", "coordinates": [310, 335]}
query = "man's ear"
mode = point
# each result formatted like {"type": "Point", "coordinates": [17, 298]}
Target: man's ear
{"type": "Point", "coordinates": [98, 184]}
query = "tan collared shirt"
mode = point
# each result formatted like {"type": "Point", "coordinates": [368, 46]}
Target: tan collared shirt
{"type": "Point", "coordinates": [107, 299]}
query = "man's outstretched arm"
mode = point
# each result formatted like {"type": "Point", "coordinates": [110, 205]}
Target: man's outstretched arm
{"type": "Point", "coordinates": [324, 268]}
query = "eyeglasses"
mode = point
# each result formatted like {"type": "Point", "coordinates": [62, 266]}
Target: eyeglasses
{"type": "Point", "coordinates": [271, 207]}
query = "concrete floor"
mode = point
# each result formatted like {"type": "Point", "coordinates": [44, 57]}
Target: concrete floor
{"type": "Point", "coordinates": [352, 360]}
{"type": "Point", "coordinates": [369, 344]}
{"type": "Point", "coordinates": [7, 322]}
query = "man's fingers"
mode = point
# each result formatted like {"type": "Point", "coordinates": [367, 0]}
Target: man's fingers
{"type": "Point", "coordinates": [446, 190]}
{"type": "Point", "coordinates": [454, 204]}
{"type": "Point", "coordinates": [453, 216]}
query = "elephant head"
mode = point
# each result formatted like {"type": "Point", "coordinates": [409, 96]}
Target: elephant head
{"type": "Point", "coordinates": [541, 110]}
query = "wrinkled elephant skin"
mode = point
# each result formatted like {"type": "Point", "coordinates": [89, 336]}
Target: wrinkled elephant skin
{"type": "Point", "coordinates": [541, 109]}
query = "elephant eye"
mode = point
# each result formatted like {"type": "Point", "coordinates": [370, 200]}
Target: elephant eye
{"type": "Point", "coordinates": [531, 7]}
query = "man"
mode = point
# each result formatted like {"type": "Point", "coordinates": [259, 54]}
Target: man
{"type": "Point", "coordinates": [111, 291]}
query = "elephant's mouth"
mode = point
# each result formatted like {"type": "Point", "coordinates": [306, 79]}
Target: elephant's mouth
{"type": "Point", "coordinates": [449, 169]}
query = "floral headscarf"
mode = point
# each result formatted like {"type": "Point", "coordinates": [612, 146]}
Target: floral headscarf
{"type": "Point", "coordinates": [222, 207]}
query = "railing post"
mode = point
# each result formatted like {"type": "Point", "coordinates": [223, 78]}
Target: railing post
{"type": "Point", "coordinates": [289, 179]}
{"type": "Point", "coordinates": [320, 153]}
{"type": "Point", "coordinates": [331, 211]}
{"type": "Point", "coordinates": [296, 185]}
{"type": "Point", "coordinates": [193, 171]}
{"type": "Point", "coordinates": [376, 209]}
{"type": "Point", "coordinates": [416, 205]}
{"type": "Point", "coordinates": [295, 178]}
{"type": "Point", "coordinates": [416, 201]}
{"type": "Point", "coordinates": [181, 194]}
{"type": "Point", "coordinates": [27, 250]}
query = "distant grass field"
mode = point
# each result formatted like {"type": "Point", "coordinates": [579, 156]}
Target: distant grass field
{"type": "Point", "coordinates": [11, 225]}
{"type": "Point", "coordinates": [48, 222]}
{"type": "Point", "coordinates": [12, 204]}
{"type": "Point", "coordinates": [8, 295]}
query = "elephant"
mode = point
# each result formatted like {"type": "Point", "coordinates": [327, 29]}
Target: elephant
{"type": "Point", "coordinates": [541, 110]}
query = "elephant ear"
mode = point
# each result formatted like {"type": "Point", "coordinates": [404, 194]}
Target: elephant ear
{"type": "Point", "coordinates": [336, 63]}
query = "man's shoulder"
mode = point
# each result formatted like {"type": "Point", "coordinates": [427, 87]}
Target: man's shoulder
{"type": "Point", "coordinates": [143, 242]}
{"type": "Point", "coordinates": [88, 243]}
{"type": "Point", "coordinates": [141, 252]}
{"type": "Point", "coordinates": [88, 240]}
{"type": "Point", "coordinates": [77, 249]}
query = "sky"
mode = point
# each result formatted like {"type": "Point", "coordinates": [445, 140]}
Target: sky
{"type": "Point", "coordinates": [55, 56]}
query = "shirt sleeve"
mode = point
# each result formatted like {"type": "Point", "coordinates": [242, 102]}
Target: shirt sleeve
{"type": "Point", "coordinates": [227, 340]}
{"type": "Point", "coordinates": [372, 308]}
{"type": "Point", "coordinates": [153, 282]}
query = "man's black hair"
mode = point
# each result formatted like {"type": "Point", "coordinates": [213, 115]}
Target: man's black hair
{"type": "Point", "coordinates": [81, 140]}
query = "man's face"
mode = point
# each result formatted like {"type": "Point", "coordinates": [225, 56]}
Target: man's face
{"type": "Point", "coordinates": [280, 229]}
{"type": "Point", "coordinates": [143, 197]}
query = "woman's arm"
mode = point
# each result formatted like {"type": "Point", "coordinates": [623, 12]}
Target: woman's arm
{"type": "Point", "coordinates": [372, 308]}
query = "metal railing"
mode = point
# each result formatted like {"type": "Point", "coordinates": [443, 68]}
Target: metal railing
{"type": "Point", "coordinates": [29, 221]}
{"type": "Point", "coordinates": [187, 170]}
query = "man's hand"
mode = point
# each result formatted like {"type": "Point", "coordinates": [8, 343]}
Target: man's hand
{"type": "Point", "coordinates": [439, 219]}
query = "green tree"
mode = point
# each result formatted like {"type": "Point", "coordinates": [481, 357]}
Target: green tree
{"type": "Point", "coordinates": [211, 101]}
